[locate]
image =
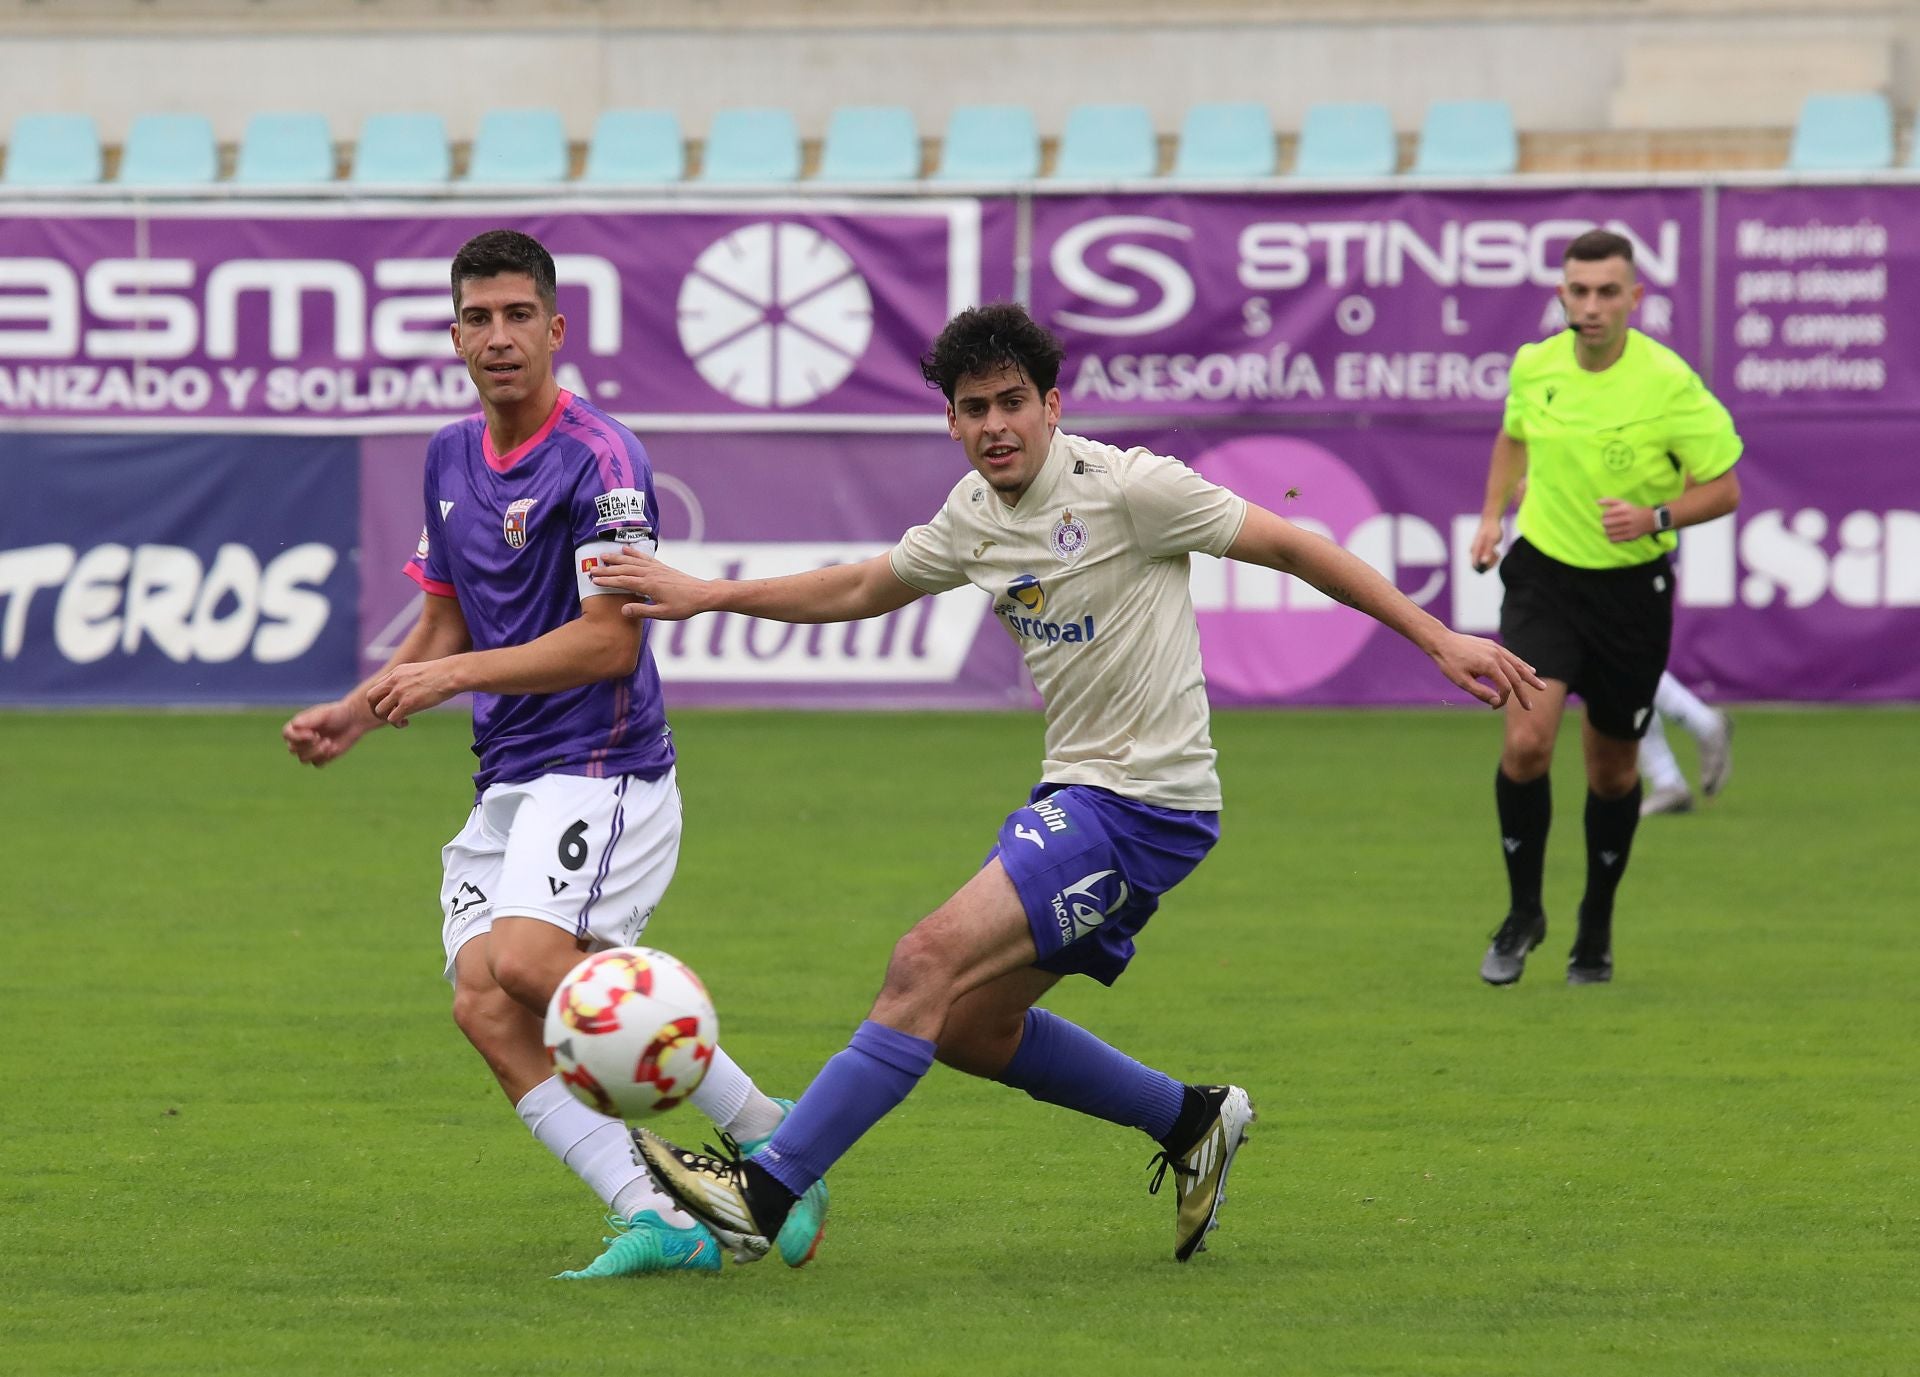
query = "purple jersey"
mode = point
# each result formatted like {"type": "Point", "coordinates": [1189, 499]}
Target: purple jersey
{"type": "Point", "coordinates": [511, 536]}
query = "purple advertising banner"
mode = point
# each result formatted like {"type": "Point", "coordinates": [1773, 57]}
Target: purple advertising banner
{"type": "Point", "coordinates": [1817, 298]}
{"type": "Point", "coordinates": [802, 309]}
{"type": "Point", "coordinates": [1384, 304]}
{"type": "Point", "coordinates": [1340, 358]}
{"type": "Point", "coordinates": [174, 569]}
{"type": "Point", "coordinates": [1811, 591]}
{"type": "Point", "coordinates": [734, 506]}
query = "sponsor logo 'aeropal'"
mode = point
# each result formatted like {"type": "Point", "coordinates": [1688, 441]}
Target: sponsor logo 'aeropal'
{"type": "Point", "coordinates": [1026, 594]}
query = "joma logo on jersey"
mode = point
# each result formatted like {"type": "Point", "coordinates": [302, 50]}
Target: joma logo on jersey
{"type": "Point", "coordinates": [515, 525]}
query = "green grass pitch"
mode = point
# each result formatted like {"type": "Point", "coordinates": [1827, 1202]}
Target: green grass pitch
{"type": "Point", "coordinates": [240, 1134]}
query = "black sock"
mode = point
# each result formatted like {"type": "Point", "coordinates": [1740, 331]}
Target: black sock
{"type": "Point", "coordinates": [1526, 814]}
{"type": "Point", "coordinates": [1187, 1124]}
{"type": "Point", "coordinates": [768, 1198]}
{"type": "Point", "coordinates": [1610, 827]}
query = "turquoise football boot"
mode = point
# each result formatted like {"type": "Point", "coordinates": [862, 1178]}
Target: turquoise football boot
{"type": "Point", "coordinates": [647, 1243]}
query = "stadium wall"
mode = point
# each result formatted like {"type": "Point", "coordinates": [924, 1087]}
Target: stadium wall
{"type": "Point", "coordinates": [212, 416]}
{"type": "Point", "coordinates": [1561, 66]}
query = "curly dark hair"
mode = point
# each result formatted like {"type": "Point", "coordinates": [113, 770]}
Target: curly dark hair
{"type": "Point", "coordinates": [986, 338]}
{"type": "Point", "coordinates": [498, 251]}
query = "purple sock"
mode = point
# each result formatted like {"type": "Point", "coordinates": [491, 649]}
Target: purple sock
{"type": "Point", "coordinates": [1062, 1063]}
{"type": "Point", "coordinates": [853, 1092]}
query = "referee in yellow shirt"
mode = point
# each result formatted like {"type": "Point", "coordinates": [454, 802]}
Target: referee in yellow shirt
{"type": "Point", "coordinates": [1618, 444]}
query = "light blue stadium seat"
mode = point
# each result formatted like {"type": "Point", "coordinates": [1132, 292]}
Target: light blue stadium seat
{"type": "Point", "coordinates": [285, 148]}
{"type": "Point", "coordinates": [760, 144]}
{"type": "Point", "coordinates": [520, 147]}
{"type": "Point", "coordinates": [53, 150]}
{"type": "Point", "coordinates": [1108, 143]}
{"type": "Point", "coordinates": [635, 147]}
{"type": "Point", "coordinates": [170, 150]}
{"type": "Point", "coordinates": [1843, 132]}
{"type": "Point", "coordinates": [1347, 139]}
{"type": "Point", "coordinates": [990, 143]}
{"type": "Point", "coordinates": [1467, 138]}
{"type": "Point", "coordinates": [402, 149]}
{"type": "Point", "coordinates": [871, 143]}
{"type": "Point", "coordinates": [1225, 139]}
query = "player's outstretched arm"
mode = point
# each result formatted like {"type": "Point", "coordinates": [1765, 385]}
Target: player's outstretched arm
{"type": "Point", "coordinates": [839, 593]}
{"type": "Point", "coordinates": [327, 731]}
{"type": "Point", "coordinates": [1488, 671]}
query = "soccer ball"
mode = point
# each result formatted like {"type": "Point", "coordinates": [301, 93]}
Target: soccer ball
{"type": "Point", "coordinates": [631, 1032]}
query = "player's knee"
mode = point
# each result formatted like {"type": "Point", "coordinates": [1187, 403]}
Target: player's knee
{"type": "Point", "coordinates": [1613, 779]}
{"type": "Point", "coordinates": [914, 963]}
{"type": "Point", "coordinates": [921, 968]}
{"type": "Point", "coordinates": [1525, 758]}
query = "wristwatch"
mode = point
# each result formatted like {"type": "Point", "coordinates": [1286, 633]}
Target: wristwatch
{"type": "Point", "coordinates": [1663, 518]}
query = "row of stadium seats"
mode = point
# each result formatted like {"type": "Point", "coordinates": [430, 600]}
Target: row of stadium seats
{"type": "Point", "coordinates": [863, 144]}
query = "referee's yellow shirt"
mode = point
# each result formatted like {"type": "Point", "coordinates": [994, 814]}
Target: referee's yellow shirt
{"type": "Point", "coordinates": [1635, 431]}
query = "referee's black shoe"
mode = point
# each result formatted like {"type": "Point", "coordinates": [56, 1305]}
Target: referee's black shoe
{"type": "Point", "coordinates": [1591, 960]}
{"type": "Point", "coordinates": [1507, 957]}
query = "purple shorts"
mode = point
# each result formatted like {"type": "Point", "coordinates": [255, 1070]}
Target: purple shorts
{"type": "Point", "coordinates": [1090, 867]}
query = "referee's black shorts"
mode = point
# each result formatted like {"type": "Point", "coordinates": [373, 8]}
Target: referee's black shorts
{"type": "Point", "coordinates": [1602, 632]}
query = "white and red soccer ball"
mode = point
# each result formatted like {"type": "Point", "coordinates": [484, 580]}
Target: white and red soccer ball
{"type": "Point", "coordinates": [631, 1031]}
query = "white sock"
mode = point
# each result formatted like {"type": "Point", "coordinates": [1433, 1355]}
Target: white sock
{"type": "Point", "coordinates": [596, 1149]}
{"type": "Point", "coordinates": [1656, 758]}
{"type": "Point", "coordinates": [728, 1096]}
{"type": "Point", "coordinates": [1675, 700]}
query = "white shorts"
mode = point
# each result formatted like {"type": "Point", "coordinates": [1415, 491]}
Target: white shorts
{"type": "Point", "coordinates": [592, 856]}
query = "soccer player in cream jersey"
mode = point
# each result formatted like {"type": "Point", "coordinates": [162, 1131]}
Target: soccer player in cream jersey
{"type": "Point", "coordinates": [1619, 445]}
{"type": "Point", "coordinates": [1085, 548]}
{"type": "Point", "coordinates": [576, 827]}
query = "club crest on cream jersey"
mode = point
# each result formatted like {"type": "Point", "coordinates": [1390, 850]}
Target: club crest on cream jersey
{"type": "Point", "coordinates": [1069, 538]}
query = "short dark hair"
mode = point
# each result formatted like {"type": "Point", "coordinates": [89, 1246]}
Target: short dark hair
{"type": "Point", "coordinates": [1598, 244]}
{"type": "Point", "coordinates": [498, 251]}
{"type": "Point", "coordinates": [985, 339]}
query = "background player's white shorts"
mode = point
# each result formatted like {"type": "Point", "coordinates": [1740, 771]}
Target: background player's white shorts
{"type": "Point", "coordinates": [592, 856]}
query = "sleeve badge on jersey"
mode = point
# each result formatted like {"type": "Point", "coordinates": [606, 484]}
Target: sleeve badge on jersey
{"type": "Point", "coordinates": [621, 507]}
{"type": "Point", "coordinates": [420, 550]}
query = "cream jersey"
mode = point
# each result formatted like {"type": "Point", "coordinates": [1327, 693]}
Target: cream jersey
{"type": "Point", "coordinates": [1089, 576]}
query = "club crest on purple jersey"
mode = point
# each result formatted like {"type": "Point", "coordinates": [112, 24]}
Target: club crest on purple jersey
{"type": "Point", "coordinates": [1069, 537]}
{"type": "Point", "coordinates": [515, 525]}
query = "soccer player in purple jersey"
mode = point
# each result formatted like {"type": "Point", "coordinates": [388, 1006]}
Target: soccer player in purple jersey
{"type": "Point", "coordinates": [576, 826]}
{"type": "Point", "coordinates": [1085, 548]}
